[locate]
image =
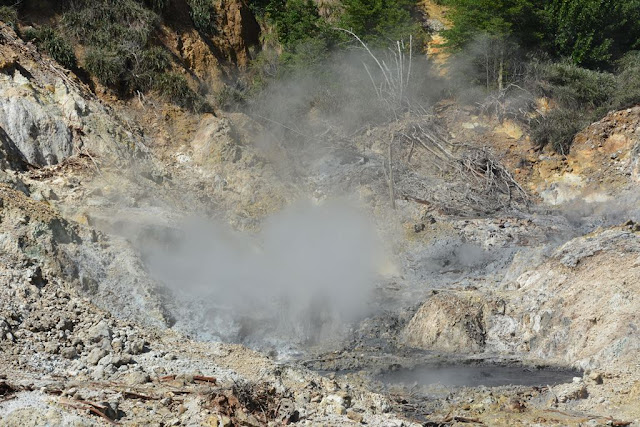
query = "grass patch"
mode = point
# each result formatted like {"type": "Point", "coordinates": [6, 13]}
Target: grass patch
{"type": "Point", "coordinates": [175, 88]}
{"type": "Point", "coordinates": [9, 15]}
{"type": "Point", "coordinates": [48, 39]}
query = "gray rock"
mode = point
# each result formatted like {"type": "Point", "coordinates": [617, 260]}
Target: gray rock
{"type": "Point", "coordinates": [136, 378]}
{"type": "Point", "coordinates": [10, 156]}
{"type": "Point", "coordinates": [99, 332]}
{"type": "Point", "coordinates": [95, 355]}
{"type": "Point", "coordinates": [573, 391]}
{"type": "Point", "coordinates": [123, 359]}
{"type": "Point", "coordinates": [42, 138]}
{"type": "Point", "coordinates": [98, 373]}
{"type": "Point", "coordinates": [68, 353]}
{"type": "Point", "coordinates": [136, 346]}
{"type": "Point", "coordinates": [117, 345]}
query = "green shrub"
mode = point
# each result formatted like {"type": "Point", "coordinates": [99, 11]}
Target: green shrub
{"type": "Point", "coordinates": [380, 21]}
{"type": "Point", "coordinates": [106, 66]}
{"type": "Point", "coordinates": [627, 91]}
{"type": "Point", "coordinates": [203, 15]}
{"type": "Point", "coordinates": [111, 24]}
{"type": "Point", "coordinates": [9, 15]}
{"type": "Point", "coordinates": [294, 20]}
{"type": "Point", "coordinates": [175, 89]}
{"type": "Point", "coordinates": [582, 96]}
{"type": "Point", "coordinates": [117, 33]}
{"type": "Point", "coordinates": [558, 128]}
{"type": "Point", "coordinates": [144, 68]}
{"type": "Point", "coordinates": [47, 39]}
{"type": "Point", "coordinates": [157, 5]}
{"type": "Point", "coordinates": [591, 32]}
{"type": "Point", "coordinates": [570, 84]}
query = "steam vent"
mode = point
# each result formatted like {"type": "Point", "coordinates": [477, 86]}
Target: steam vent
{"type": "Point", "coordinates": [393, 213]}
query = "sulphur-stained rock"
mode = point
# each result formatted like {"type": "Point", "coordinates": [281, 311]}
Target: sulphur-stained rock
{"type": "Point", "coordinates": [239, 28]}
{"type": "Point", "coordinates": [214, 141]}
{"type": "Point", "coordinates": [447, 322]}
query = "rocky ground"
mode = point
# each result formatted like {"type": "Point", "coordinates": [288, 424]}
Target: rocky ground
{"type": "Point", "coordinates": [496, 254]}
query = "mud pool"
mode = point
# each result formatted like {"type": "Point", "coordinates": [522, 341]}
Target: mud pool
{"type": "Point", "coordinates": [476, 376]}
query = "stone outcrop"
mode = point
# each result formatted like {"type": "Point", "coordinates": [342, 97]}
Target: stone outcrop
{"type": "Point", "coordinates": [33, 123]}
{"type": "Point", "coordinates": [447, 322]}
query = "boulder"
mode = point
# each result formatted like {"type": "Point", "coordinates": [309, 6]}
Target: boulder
{"type": "Point", "coordinates": [447, 322]}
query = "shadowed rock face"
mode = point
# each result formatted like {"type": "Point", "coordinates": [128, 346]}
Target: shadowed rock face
{"type": "Point", "coordinates": [40, 136]}
{"type": "Point", "coordinates": [10, 156]}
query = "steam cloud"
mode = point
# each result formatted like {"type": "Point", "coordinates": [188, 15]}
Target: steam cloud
{"type": "Point", "coordinates": [300, 280]}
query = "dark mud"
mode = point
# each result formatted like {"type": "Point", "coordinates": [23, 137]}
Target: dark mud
{"type": "Point", "coordinates": [476, 376]}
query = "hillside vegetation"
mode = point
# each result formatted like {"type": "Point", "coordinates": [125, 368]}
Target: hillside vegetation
{"type": "Point", "coordinates": [580, 55]}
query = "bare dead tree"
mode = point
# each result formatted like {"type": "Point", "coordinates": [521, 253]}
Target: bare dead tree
{"type": "Point", "coordinates": [475, 177]}
{"type": "Point", "coordinates": [390, 83]}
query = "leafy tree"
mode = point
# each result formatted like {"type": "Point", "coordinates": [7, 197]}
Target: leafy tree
{"type": "Point", "coordinates": [518, 19]}
{"type": "Point", "coordinates": [592, 32]}
{"type": "Point", "coordinates": [379, 21]}
{"type": "Point", "coordinates": [295, 20]}
{"type": "Point", "coordinates": [203, 14]}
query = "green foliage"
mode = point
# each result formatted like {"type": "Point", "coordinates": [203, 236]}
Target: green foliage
{"type": "Point", "coordinates": [380, 21]}
{"type": "Point", "coordinates": [106, 66]}
{"type": "Point", "coordinates": [174, 88]}
{"type": "Point", "coordinates": [157, 5]}
{"type": "Point", "coordinates": [592, 32]}
{"type": "Point", "coordinates": [9, 15]}
{"type": "Point", "coordinates": [259, 7]}
{"type": "Point", "coordinates": [306, 53]}
{"type": "Point", "coordinates": [498, 18]}
{"type": "Point", "coordinates": [582, 96]}
{"type": "Point", "coordinates": [295, 20]}
{"type": "Point", "coordinates": [142, 69]}
{"type": "Point", "coordinates": [627, 91]}
{"type": "Point", "coordinates": [203, 15]}
{"type": "Point", "coordinates": [301, 40]}
{"type": "Point", "coordinates": [558, 128]}
{"type": "Point", "coordinates": [116, 25]}
{"type": "Point", "coordinates": [47, 39]}
{"type": "Point", "coordinates": [117, 34]}
{"type": "Point", "coordinates": [571, 85]}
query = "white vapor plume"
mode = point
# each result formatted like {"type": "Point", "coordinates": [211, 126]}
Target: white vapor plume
{"type": "Point", "coordinates": [305, 276]}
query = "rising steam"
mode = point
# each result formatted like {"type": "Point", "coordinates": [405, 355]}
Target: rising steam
{"type": "Point", "coordinates": [307, 273]}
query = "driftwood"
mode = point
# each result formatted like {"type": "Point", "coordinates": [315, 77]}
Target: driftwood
{"type": "Point", "coordinates": [94, 408]}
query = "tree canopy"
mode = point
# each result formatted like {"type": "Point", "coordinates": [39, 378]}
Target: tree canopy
{"type": "Point", "coordinates": [592, 33]}
{"type": "Point", "coordinates": [379, 20]}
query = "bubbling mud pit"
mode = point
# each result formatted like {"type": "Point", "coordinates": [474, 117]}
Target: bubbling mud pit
{"type": "Point", "coordinates": [307, 290]}
{"type": "Point", "coordinates": [298, 282]}
{"type": "Point", "coordinates": [480, 375]}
